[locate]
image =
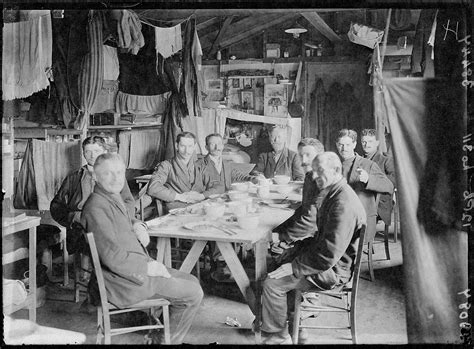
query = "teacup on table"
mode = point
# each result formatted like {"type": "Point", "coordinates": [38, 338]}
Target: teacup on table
{"type": "Point", "coordinates": [281, 179]}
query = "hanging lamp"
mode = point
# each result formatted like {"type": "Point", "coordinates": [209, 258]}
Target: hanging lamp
{"type": "Point", "coordinates": [296, 29]}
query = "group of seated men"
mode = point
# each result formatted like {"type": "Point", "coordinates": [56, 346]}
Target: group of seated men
{"type": "Point", "coordinates": [339, 196]}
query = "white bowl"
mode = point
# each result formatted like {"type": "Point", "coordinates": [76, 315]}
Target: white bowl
{"type": "Point", "coordinates": [248, 221]}
{"type": "Point", "coordinates": [281, 179]}
{"type": "Point", "coordinates": [214, 211]}
{"type": "Point", "coordinates": [263, 191]}
{"type": "Point", "coordinates": [284, 189]}
{"type": "Point", "coordinates": [235, 195]}
{"type": "Point", "coordinates": [240, 186]}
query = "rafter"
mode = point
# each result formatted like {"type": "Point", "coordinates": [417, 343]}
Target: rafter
{"type": "Point", "coordinates": [207, 23]}
{"type": "Point", "coordinates": [249, 32]}
{"type": "Point", "coordinates": [319, 23]}
{"type": "Point", "coordinates": [220, 35]}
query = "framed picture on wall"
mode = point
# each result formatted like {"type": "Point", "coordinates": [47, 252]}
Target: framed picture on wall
{"type": "Point", "coordinates": [275, 100]}
{"type": "Point", "coordinates": [235, 83]}
{"type": "Point", "coordinates": [247, 99]}
{"type": "Point", "coordinates": [215, 84]}
{"type": "Point", "coordinates": [247, 83]}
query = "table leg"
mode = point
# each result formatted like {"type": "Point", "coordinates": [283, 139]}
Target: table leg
{"type": "Point", "coordinates": [238, 272]}
{"type": "Point", "coordinates": [193, 256]}
{"type": "Point", "coordinates": [163, 253]}
{"type": "Point", "coordinates": [32, 273]}
{"type": "Point", "coordinates": [140, 200]}
{"type": "Point", "coordinates": [260, 249]}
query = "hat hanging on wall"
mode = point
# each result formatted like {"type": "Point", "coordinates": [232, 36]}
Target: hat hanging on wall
{"type": "Point", "coordinates": [296, 29]}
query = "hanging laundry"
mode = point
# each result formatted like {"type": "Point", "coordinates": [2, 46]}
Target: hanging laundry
{"type": "Point", "coordinates": [138, 74]}
{"type": "Point", "coordinates": [111, 63]}
{"type": "Point", "coordinates": [26, 56]}
{"type": "Point", "coordinates": [197, 51]}
{"type": "Point", "coordinates": [318, 101]}
{"type": "Point", "coordinates": [135, 104]}
{"type": "Point", "coordinates": [129, 30]}
{"type": "Point", "coordinates": [191, 87]}
{"type": "Point", "coordinates": [168, 41]}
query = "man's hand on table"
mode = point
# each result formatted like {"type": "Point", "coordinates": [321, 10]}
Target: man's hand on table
{"type": "Point", "coordinates": [155, 268]}
{"type": "Point", "coordinates": [284, 270]}
{"type": "Point", "coordinates": [141, 231]}
{"type": "Point", "coordinates": [190, 197]}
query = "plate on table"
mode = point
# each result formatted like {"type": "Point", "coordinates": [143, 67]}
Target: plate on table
{"type": "Point", "coordinates": [203, 227]}
{"type": "Point", "coordinates": [206, 226]}
{"type": "Point", "coordinates": [187, 211]}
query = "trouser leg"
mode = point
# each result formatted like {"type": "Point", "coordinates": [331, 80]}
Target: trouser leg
{"type": "Point", "coordinates": [274, 301]}
{"type": "Point", "coordinates": [185, 294]}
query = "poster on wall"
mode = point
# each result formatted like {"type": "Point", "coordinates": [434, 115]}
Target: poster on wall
{"type": "Point", "coordinates": [275, 100]}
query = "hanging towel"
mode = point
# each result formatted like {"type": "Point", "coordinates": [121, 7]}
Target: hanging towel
{"type": "Point", "coordinates": [168, 41]}
{"type": "Point", "coordinates": [129, 31]}
{"type": "Point", "coordinates": [197, 52]}
{"type": "Point", "coordinates": [111, 63]}
{"type": "Point", "coordinates": [26, 56]}
{"type": "Point", "coordinates": [135, 104]}
{"type": "Point", "coordinates": [61, 158]}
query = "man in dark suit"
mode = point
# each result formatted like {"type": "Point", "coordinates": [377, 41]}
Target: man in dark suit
{"type": "Point", "coordinates": [130, 274]}
{"type": "Point", "coordinates": [363, 175]}
{"type": "Point", "coordinates": [327, 258]}
{"type": "Point", "coordinates": [370, 147]}
{"type": "Point", "coordinates": [302, 223]}
{"type": "Point", "coordinates": [218, 174]}
{"type": "Point", "coordinates": [280, 161]}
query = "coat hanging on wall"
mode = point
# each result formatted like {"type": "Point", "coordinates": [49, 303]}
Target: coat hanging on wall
{"type": "Point", "coordinates": [317, 106]}
{"type": "Point", "coordinates": [332, 122]}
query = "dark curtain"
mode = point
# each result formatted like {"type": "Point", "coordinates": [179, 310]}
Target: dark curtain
{"type": "Point", "coordinates": [426, 120]}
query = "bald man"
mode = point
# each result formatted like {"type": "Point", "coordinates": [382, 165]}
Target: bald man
{"type": "Point", "coordinates": [130, 274]}
{"type": "Point", "coordinates": [280, 161]}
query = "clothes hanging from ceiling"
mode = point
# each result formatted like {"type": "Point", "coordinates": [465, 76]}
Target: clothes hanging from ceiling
{"type": "Point", "coordinates": [27, 55]}
{"type": "Point", "coordinates": [168, 41]}
{"type": "Point", "coordinates": [138, 75]}
{"type": "Point", "coordinates": [421, 57]}
{"type": "Point", "coordinates": [129, 30]}
{"type": "Point", "coordinates": [105, 101]}
{"type": "Point", "coordinates": [190, 84]}
{"type": "Point", "coordinates": [133, 104]}
{"type": "Point", "coordinates": [91, 76]}
{"type": "Point", "coordinates": [111, 63]}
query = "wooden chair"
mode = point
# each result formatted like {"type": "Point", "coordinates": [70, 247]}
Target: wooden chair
{"type": "Point", "coordinates": [371, 242]}
{"type": "Point", "coordinates": [106, 309]}
{"type": "Point", "coordinates": [47, 260]}
{"type": "Point", "coordinates": [346, 293]}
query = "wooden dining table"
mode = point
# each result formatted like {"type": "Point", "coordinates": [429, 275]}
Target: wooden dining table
{"type": "Point", "coordinates": [178, 226]}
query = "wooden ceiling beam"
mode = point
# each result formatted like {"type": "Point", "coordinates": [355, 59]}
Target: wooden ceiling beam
{"type": "Point", "coordinates": [236, 27]}
{"type": "Point", "coordinates": [207, 23]}
{"type": "Point", "coordinates": [220, 35]}
{"type": "Point", "coordinates": [249, 32]}
{"type": "Point", "coordinates": [181, 14]}
{"type": "Point", "coordinates": [320, 25]}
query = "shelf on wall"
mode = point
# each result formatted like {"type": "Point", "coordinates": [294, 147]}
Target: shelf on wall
{"type": "Point", "coordinates": [123, 127]}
